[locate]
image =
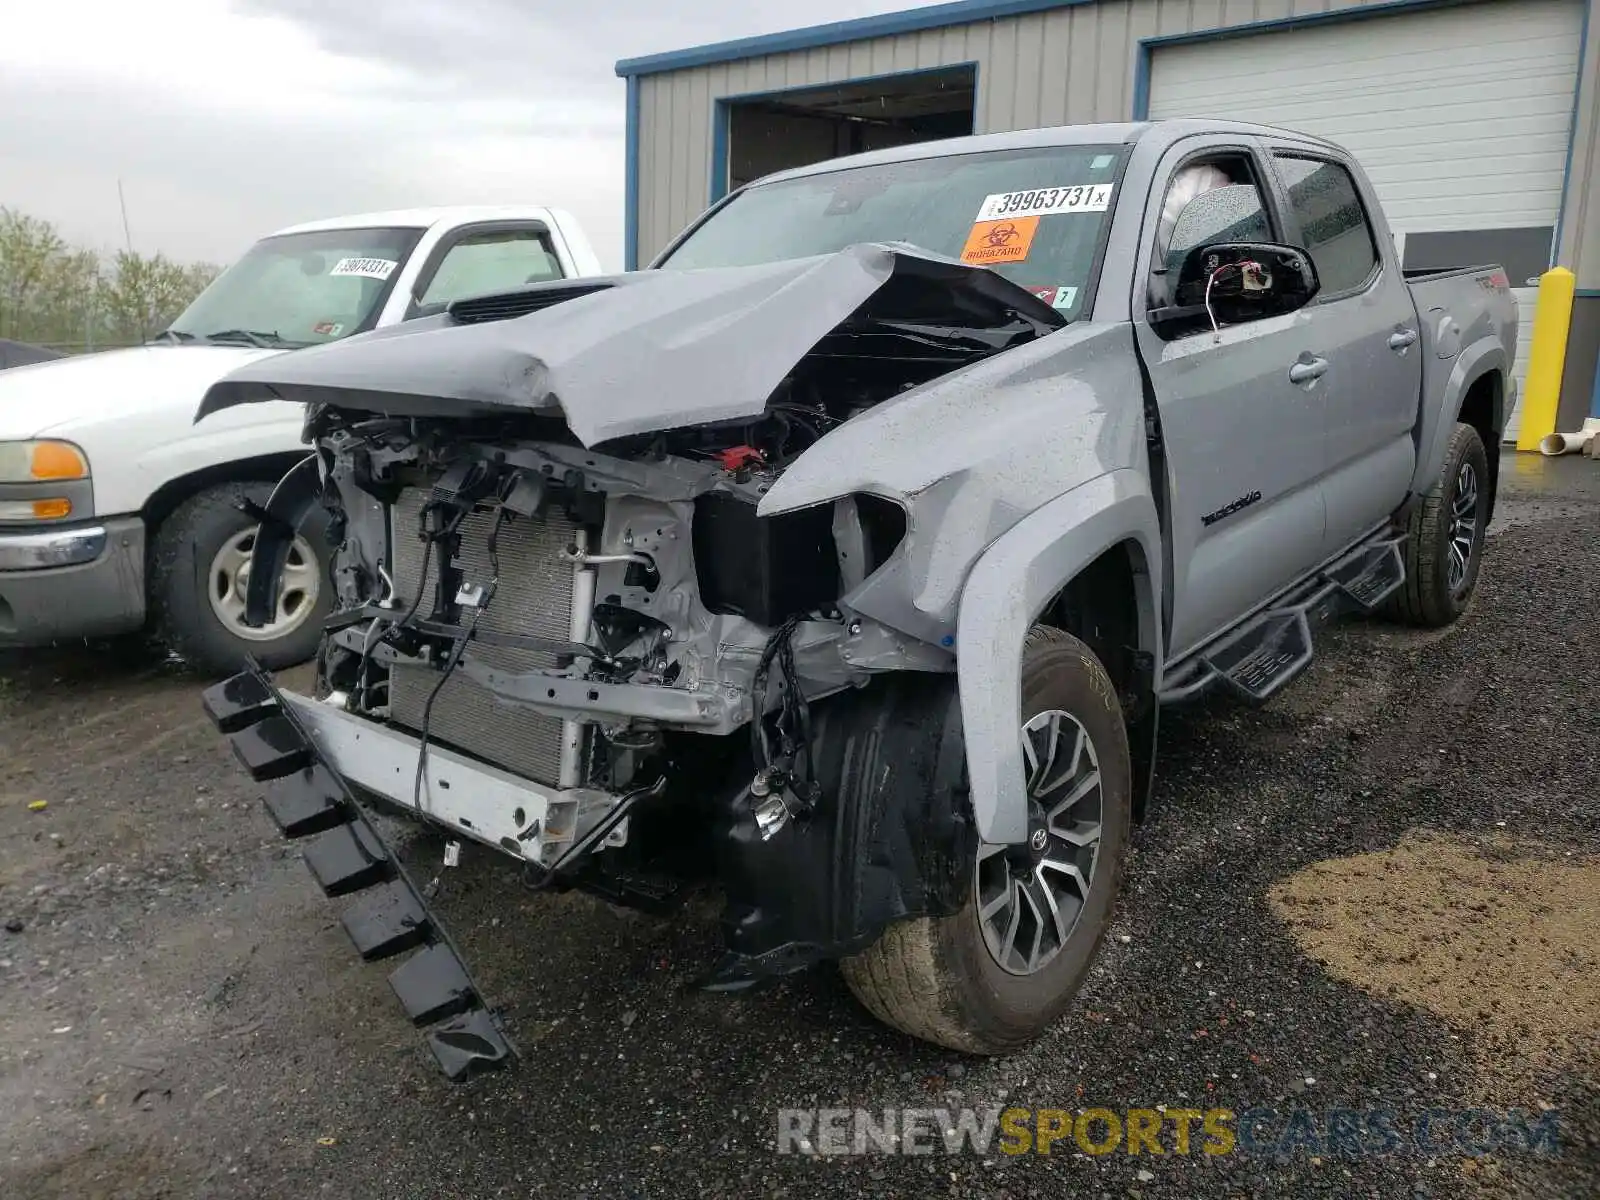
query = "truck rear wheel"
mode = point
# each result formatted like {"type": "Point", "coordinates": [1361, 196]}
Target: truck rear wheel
{"type": "Point", "coordinates": [1444, 546]}
{"type": "Point", "coordinates": [993, 976]}
{"type": "Point", "coordinates": [200, 568]}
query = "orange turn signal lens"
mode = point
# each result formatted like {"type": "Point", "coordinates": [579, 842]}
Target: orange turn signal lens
{"type": "Point", "coordinates": [52, 508]}
{"type": "Point", "coordinates": [57, 460]}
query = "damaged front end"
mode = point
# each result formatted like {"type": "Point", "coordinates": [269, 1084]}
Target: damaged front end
{"type": "Point", "coordinates": [563, 629]}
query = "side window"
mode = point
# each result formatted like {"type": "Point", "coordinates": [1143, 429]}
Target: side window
{"type": "Point", "coordinates": [1207, 201]}
{"type": "Point", "coordinates": [499, 260]}
{"type": "Point", "coordinates": [1333, 224]}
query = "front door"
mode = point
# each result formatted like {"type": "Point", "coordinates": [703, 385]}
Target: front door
{"type": "Point", "coordinates": [1241, 409]}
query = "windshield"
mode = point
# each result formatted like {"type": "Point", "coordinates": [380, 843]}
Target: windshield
{"type": "Point", "coordinates": [300, 289]}
{"type": "Point", "coordinates": [1035, 216]}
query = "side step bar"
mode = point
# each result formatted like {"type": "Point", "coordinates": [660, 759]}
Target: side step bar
{"type": "Point", "coordinates": [1256, 660]}
{"type": "Point", "coordinates": [308, 799]}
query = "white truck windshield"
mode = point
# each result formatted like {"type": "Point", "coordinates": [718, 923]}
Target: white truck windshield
{"type": "Point", "coordinates": [1036, 216]}
{"type": "Point", "coordinates": [300, 289]}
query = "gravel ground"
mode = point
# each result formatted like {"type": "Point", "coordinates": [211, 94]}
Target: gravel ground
{"type": "Point", "coordinates": [180, 1014]}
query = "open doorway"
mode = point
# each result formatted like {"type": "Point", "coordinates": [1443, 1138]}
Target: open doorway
{"type": "Point", "coordinates": [760, 134]}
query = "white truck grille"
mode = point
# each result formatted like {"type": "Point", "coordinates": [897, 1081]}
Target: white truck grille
{"type": "Point", "coordinates": [533, 597]}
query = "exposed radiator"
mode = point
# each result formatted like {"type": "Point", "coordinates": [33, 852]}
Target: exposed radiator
{"type": "Point", "coordinates": [534, 596]}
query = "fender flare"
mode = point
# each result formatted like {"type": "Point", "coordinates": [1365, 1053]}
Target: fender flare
{"type": "Point", "coordinates": [1472, 364]}
{"type": "Point", "coordinates": [1009, 585]}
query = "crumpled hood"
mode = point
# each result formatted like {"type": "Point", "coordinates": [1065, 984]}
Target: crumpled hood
{"type": "Point", "coordinates": [648, 351]}
{"type": "Point", "coordinates": [66, 394]}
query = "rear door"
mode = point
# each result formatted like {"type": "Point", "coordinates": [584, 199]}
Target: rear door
{"type": "Point", "coordinates": [1244, 442]}
{"type": "Point", "coordinates": [1368, 328]}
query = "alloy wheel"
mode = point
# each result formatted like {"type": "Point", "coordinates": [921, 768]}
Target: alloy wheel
{"type": "Point", "coordinates": [1463, 528]}
{"type": "Point", "coordinates": [1030, 897]}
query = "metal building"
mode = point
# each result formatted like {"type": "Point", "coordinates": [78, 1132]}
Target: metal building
{"type": "Point", "coordinates": [1476, 119]}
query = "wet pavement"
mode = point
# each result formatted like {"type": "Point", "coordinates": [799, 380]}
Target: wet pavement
{"type": "Point", "coordinates": [181, 1015]}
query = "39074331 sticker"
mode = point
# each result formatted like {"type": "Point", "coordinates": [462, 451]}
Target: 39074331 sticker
{"type": "Point", "coordinates": [368, 268]}
{"type": "Point", "coordinates": [1045, 202]}
{"type": "Point", "coordinates": [993, 242]}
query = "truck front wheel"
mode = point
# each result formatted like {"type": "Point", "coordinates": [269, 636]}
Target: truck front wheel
{"type": "Point", "coordinates": [200, 569]}
{"type": "Point", "coordinates": [1444, 546]}
{"type": "Point", "coordinates": [991, 977]}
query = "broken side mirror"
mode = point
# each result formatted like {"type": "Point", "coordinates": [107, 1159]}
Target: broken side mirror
{"type": "Point", "coordinates": [1232, 282]}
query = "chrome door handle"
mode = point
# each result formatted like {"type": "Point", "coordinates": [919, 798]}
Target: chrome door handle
{"type": "Point", "coordinates": [1401, 339]}
{"type": "Point", "coordinates": [1307, 370]}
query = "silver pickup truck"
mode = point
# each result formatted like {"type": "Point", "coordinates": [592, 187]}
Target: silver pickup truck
{"type": "Point", "coordinates": [848, 555]}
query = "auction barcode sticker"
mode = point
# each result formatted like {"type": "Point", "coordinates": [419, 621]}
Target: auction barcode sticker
{"type": "Point", "coordinates": [1045, 202]}
{"type": "Point", "coordinates": [370, 268]}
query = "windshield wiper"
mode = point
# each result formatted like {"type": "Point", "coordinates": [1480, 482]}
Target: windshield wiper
{"type": "Point", "coordinates": [174, 335]}
{"type": "Point", "coordinates": [267, 341]}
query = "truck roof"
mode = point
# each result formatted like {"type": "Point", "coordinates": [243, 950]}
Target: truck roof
{"type": "Point", "coordinates": [1124, 132]}
{"type": "Point", "coordinates": [423, 218]}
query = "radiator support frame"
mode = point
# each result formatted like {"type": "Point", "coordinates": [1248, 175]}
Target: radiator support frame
{"type": "Point", "coordinates": [538, 589]}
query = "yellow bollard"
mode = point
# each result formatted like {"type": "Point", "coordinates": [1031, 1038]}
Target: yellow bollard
{"type": "Point", "coordinates": [1547, 356]}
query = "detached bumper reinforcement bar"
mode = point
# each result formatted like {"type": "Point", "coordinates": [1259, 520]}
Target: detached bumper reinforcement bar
{"type": "Point", "coordinates": [309, 799]}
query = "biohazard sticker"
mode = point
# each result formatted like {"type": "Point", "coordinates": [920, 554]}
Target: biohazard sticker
{"type": "Point", "coordinates": [1046, 202]}
{"type": "Point", "coordinates": [992, 242]}
{"type": "Point", "coordinates": [367, 268]}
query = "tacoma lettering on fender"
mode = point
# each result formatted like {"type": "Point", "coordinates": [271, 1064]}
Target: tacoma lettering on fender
{"type": "Point", "coordinates": [824, 560]}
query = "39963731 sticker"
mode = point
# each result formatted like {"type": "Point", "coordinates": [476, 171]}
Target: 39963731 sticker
{"type": "Point", "coordinates": [369, 268]}
{"type": "Point", "coordinates": [1045, 202]}
{"type": "Point", "coordinates": [993, 242]}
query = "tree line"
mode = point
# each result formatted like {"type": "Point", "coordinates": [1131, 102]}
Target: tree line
{"type": "Point", "coordinates": [56, 294]}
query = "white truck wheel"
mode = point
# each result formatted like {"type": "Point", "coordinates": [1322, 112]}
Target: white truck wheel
{"type": "Point", "coordinates": [199, 570]}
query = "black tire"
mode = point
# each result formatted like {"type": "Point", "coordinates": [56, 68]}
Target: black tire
{"type": "Point", "coordinates": [182, 552]}
{"type": "Point", "coordinates": [935, 978]}
{"type": "Point", "coordinates": [1430, 597]}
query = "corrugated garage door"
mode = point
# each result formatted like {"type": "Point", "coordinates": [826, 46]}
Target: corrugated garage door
{"type": "Point", "coordinates": [1459, 115]}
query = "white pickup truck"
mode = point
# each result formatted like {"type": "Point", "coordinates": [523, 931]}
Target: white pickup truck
{"type": "Point", "coordinates": [119, 512]}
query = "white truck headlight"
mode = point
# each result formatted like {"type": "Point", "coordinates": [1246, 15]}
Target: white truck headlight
{"type": "Point", "coordinates": [39, 463]}
{"type": "Point", "coordinates": [35, 462]}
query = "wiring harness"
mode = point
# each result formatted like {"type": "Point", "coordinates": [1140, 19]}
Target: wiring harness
{"type": "Point", "coordinates": [781, 741]}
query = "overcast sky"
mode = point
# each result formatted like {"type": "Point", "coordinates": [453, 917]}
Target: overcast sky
{"type": "Point", "coordinates": [226, 119]}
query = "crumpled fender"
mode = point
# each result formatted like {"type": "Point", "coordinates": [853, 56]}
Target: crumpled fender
{"type": "Point", "coordinates": [972, 453]}
{"type": "Point", "coordinates": [1008, 587]}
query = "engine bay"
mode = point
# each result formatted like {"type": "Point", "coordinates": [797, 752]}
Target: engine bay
{"type": "Point", "coordinates": [621, 598]}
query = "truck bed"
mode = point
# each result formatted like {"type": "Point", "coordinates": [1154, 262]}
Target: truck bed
{"type": "Point", "coordinates": [1425, 276]}
{"type": "Point", "coordinates": [1458, 309]}
{"type": "Point", "coordinates": [1478, 299]}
